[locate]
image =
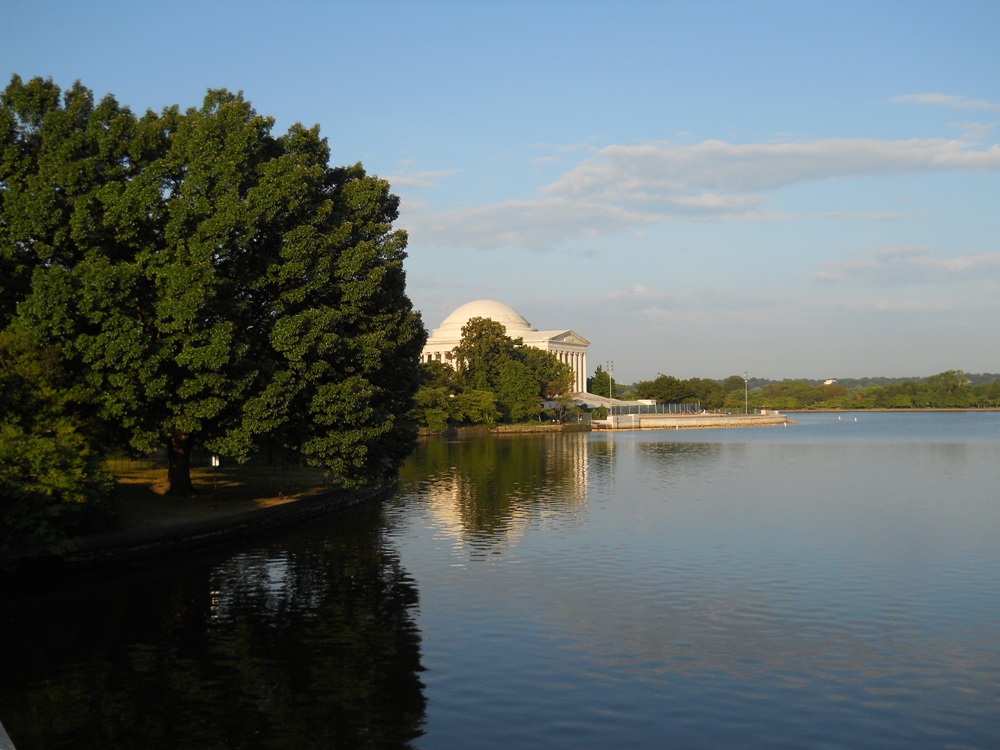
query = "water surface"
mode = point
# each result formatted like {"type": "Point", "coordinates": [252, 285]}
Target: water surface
{"type": "Point", "coordinates": [833, 583]}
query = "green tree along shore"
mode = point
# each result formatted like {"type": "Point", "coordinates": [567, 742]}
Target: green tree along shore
{"type": "Point", "coordinates": [496, 379]}
{"type": "Point", "coordinates": [184, 279]}
{"type": "Point", "coordinates": [952, 389]}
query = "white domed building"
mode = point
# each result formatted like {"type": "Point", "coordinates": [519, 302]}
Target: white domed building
{"type": "Point", "coordinates": [569, 346]}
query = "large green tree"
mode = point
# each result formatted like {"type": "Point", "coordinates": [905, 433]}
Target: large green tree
{"type": "Point", "coordinates": [554, 377]}
{"type": "Point", "coordinates": [209, 282]}
{"type": "Point", "coordinates": [666, 389]}
{"type": "Point", "coordinates": [496, 378]}
{"type": "Point", "coordinates": [602, 384]}
{"type": "Point", "coordinates": [483, 351]}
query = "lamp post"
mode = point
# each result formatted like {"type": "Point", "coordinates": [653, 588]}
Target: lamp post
{"type": "Point", "coordinates": [746, 393]}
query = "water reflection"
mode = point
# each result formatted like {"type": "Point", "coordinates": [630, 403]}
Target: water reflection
{"type": "Point", "coordinates": [484, 493]}
{"type": "Point", "coordinates": [824, 585]}
{"type": "Point", "coordinates": [747, 588]}
{"type": "Point", "coordinates": [307, 643]}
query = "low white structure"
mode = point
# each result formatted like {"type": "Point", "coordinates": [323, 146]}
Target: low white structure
{"type": "Point", "coordinates": [569, 346]}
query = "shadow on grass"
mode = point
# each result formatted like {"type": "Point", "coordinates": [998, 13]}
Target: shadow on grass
{"type": "Point", "coordinates": [140, 497]}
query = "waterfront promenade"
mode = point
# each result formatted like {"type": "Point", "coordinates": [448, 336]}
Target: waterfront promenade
{"type": "Point", "coordinates": [688, 421]}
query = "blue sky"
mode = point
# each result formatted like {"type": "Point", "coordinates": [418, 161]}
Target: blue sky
{"type": "Point", "coordinates": [788, 189]}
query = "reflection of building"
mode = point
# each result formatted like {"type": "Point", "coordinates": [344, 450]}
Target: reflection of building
{"type": "Point", "coordinates": [569, 346]}
{"type": "Point", "coordinates": [490, 494]}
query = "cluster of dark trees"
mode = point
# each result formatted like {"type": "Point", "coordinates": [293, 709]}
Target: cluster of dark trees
{"type": "Point", "coordinates": [183, 279]}
{"type": "Point", "coordinates": [495, 379]}
{"type": "Point", "coordinates": [952, 389]}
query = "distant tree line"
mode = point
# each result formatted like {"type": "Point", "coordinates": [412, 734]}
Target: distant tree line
{"type": "Point", "coordinates": [951, 389]}
{"type": "Point", "coordinates": [492, 379]}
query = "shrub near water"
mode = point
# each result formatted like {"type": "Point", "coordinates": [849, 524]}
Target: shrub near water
{"type": "Point", "coordinates": [52, 488]}
{"type": "Point", "coordinates": [52, 484]}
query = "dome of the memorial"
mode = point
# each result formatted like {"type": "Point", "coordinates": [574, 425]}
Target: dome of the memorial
{"type": "Point", "coordinates": [511, 319]}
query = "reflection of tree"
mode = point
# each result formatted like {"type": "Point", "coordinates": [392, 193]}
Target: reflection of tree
{"type": "Point", "coordinates": [491, 485]}
{"type": "Point", "coordinates": [667, 453]}
{"type": "Point", "coordinates": [316, 647]}
{"type": "Point", "coordinates": [663, 455]}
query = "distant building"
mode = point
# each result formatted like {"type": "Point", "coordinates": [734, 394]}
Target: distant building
{"type": "Point", "coordinates": [569, 346]}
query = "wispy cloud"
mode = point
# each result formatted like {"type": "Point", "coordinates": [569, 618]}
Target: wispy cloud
{"type": "Point", "coordinates": [624, 188]}
{"type": "Point", "coordinates": [919, 280]}
{"type": "Point", "coordinates": [946, 100]}
{"type": "Point", "coordinates": [660, 304]}
{"type": "Point", "coordinates": [905, 266]}
{"type": "Point", "coordinates": [638, 291]}
{"type": "Point", "coordinates": [420, 179]}
{"type": "Point", "coordinates": [976, 131]}
{"type": "Point", "coordinates": [541, 223]}
{"type": "Point", "coordinates": [734, 171]}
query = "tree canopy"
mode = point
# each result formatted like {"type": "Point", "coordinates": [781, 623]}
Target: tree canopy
{"type": "Point", "coordinates": [602, 383]}
{"type": "Point", "coordinates": [496, 379]}
{"type": "Point", "coordinates": [207, 282]}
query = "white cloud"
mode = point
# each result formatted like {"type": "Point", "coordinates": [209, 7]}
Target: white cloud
{"type": "Point", "coordinates": [946, 100]}
{"type": "Point", "coordinates": [976, 131]}
{"type": "Point", "coordinates": [643, 173]}
{"type": "Point", "coordinates": [701, 304]}
{"type": "Point", "coordinates": [625, 188]}
{"type": "Point", "coordinates": [638, 291]}
{"type": "Point", "coordinates": [676, 315]}
{"type": "Point", "coordinates": [907, 266]}
{"type": "Point", "coordinates": [538, 224]}
{"type": "Point", "coordinates": [420, 179]}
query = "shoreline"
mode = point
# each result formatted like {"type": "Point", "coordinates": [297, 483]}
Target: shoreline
{"type": "Point", "coordinates": [899, 410]}
{"type": "Point", "coordinates": [147, 538]}
{"type": "Point", "coordinates": [142, 545]}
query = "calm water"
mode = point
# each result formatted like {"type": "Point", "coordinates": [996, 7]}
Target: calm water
{"type": "Point", "coordinates": [833, 583]}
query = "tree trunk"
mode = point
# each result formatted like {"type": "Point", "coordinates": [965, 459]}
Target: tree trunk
{"type": "Point", "coordinates": [179, 465]}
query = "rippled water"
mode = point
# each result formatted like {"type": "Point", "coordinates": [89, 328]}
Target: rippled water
{"type": "Point", "coordinates": [829, 584]}
{"type": "Point", "coordinates": [834, 583]}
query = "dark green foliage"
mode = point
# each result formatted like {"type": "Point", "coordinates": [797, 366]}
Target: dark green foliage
{"type": "Point", "coordinates": [602, 384]}
{"type": "Point", "coordinates": [666, 389]}
{"type": "Point", "coordinates": [498, 379]}
{"type": "Point", "coordinates": [52, 482]}
{"type": "Point", "coordinates": [483, 352]}
{"type": "Point", "coordinates": [554, 378]}
{"type": "Point", "coordinates": [517, 392]}
{"type": "Point", "coordinates": [208, 282]}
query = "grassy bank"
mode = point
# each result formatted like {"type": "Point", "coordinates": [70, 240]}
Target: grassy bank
{"type": "Point", "coordinates": [140, 491]}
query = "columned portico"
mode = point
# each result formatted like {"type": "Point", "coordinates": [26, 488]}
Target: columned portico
{"type": "Point", "coordinates": [568, 346]}
{"type": "Point", "coordinates": [571, 349]}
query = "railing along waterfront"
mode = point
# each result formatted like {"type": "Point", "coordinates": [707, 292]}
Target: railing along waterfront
{"type": "Point", "coordinates": [619, 410]}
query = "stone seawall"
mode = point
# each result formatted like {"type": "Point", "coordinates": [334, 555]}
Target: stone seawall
{"type": "Point", "coordinates": [541, 427]}
{"type": "Point", "coordinates": [689, 421]}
